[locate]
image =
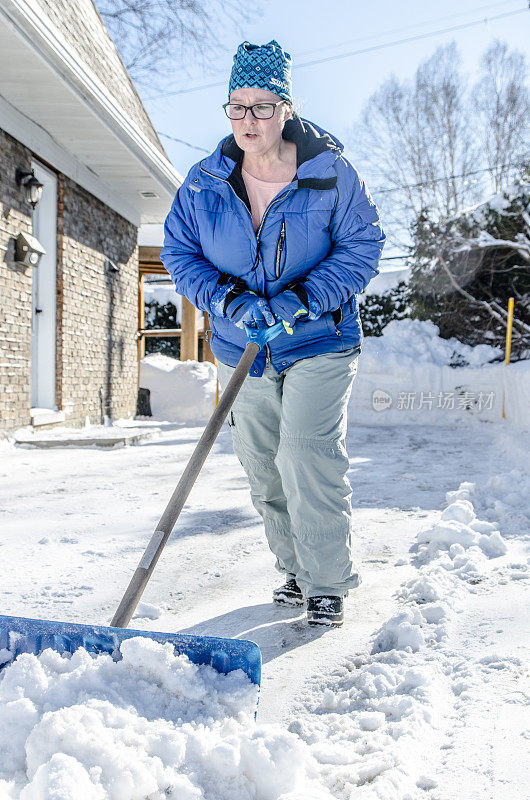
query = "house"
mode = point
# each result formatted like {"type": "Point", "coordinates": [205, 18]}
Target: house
{"type": "Point", "coordinates": [71, 121]}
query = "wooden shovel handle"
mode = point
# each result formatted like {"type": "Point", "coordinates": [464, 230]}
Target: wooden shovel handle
{"type": "Point", "coordinates": [164, 528]}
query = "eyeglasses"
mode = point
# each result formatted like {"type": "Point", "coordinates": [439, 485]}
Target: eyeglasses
{"type": "Point", "coordinates": [259, 110]}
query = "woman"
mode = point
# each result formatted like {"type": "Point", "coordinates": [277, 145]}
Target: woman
{"type": "Point", "coordinates": [277, 225]}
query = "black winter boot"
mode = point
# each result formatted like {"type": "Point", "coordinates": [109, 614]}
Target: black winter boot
{"type": "Point", "coordinates": [288, 595]}
{"type": "Point", "coordinates": [325, 610]}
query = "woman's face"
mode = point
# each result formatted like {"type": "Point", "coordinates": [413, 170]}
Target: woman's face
{"type": "Point", "coordinates": [265, 133]}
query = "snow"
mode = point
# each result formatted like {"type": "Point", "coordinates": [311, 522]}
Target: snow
{"type": "Point", "coordinates": [147, 611]}
{"type": "Point", "coordinates": [422, 694]}
{"type": "Point", "coordinates": [111, 434]}
{"type": "Point", "coordinates": [181, 391]}
{"type": "Point", "coordinates": [150, 725]}
{"type": "Point", "coordinates": [163, 294]}
{"type": "Point", "coordinates": [498, 202]}
{"type": "Point", "coordinates": [415, 676]}
{"type": "Point", "coordinates": [409, 341]}
{"type": "Point", "coordinates": [387, 278]}
{"type": "Point", "coordinates": [405, 377]}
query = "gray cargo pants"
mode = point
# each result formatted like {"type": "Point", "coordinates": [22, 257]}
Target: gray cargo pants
{"type": "Point", "coordinates": [288, 432]}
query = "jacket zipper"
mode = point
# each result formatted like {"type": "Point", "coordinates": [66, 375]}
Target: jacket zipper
{"type": "Point", "coordinates": [258, 232]}
{"type": "Point", "coordinates": [276, 200]}
{"type": "Point", "coordinates": [279, 248]}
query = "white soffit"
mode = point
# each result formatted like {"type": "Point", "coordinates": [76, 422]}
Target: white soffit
{"type": "Point", "coordinates": [62, 105]}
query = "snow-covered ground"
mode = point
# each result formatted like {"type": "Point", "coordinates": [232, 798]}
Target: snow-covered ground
{"type": "Point", "coordinates": [423, 693]}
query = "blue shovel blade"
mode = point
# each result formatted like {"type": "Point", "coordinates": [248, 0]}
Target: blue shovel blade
{"type": "Point", "coordinates": [21, 635]}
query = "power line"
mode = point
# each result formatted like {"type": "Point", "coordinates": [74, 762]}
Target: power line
{"type": "Point", "coordinates": [375, 36]}
{"type": "Point", "coordinates": [362, 51]}
{"type": "Point", "coordinates": [414, 38]}
{"type": "Point", "coordinates": [377, 190]}
{"type": "Point", "coordinates": [440, 180]}
{"type": "Point", "coordinates": [359, 39]}
{"type": "Point", "coordinates": [404, 28]}
{"type": "Point", "coordinates": [182, 141]}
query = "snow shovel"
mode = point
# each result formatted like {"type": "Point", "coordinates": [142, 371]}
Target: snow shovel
{"type": "Point", "coordinates": [21, 635]}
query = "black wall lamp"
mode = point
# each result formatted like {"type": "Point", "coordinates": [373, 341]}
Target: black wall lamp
{"type": "Point", "coordinates": [32, 187]}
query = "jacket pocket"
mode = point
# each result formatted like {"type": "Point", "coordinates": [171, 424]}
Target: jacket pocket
{"type": "Point", "coordinates": [281, 250]}
{"type": "Point", "coordinates": [337, 316]}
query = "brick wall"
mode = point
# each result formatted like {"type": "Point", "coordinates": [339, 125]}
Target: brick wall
{"type": "Point", "coordinates": [97, 308]}
{"type": "Point", "coordinates": [15, 290]}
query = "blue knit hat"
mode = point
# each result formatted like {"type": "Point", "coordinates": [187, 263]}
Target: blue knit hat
{"type": "Point", "coordinates": [266, 66]}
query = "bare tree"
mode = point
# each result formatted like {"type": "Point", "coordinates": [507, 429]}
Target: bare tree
{"type": "Point", "coordinates": [155, 36]}
{"type": "Point", "coordinates": [447, 141]}
{"type": "Point", "coordinates": [415, 137]}
{"type": "Point", "coordinates": [502, 104]}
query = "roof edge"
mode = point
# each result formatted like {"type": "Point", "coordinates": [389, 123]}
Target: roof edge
{"type": "Point", "coordinates": [45, 148]}
{"type": "Point", "coordinates": [43, 36]}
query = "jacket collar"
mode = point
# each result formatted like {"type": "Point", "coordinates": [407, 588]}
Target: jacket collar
{"type": "Point", "coordinates": [317, 151]}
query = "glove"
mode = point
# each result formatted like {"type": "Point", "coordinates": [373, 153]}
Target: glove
{"type": "Point", "coordinates": [288, 307]}
{"type": "Point", "coordinates": [227, 285]}
{"type": "Point", "coordinates": [261, 335]}
{"type": "Point", "coordinates": [293, 303]}
{"type": "Point", "coordinates": [248, 308]}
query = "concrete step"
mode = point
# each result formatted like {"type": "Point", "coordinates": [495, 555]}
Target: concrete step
{"type": "Point", "coordinates": [95, 436]}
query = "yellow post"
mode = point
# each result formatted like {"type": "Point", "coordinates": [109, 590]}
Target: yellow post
{"type": "Point", "coordinates": [508, 342]}
{"type": "Point", "coordinates": [509, 330]}
{"type": "Point", "coordinates": [217, 392]}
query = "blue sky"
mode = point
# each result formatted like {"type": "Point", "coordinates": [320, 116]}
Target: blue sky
{"type": "Point", "coordinates": [332, 94]}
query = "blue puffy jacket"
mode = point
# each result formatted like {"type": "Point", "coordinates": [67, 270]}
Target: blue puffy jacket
{"type": "Point", "coordinates": [321, 232]}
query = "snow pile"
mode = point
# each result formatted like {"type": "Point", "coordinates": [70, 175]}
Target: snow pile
{"type": "Point", "coordinates": [404, 377]}
{"type": "Point", "coordinates": [377, 719]}
{"type": "Point", "coordinates": [153, 725]}
{"type": "Point", "coordinates": [410, 375]}
{"type": "Point", "coordinates": [181, 391]}
{"type": "Point", "coordinates": [507, 495]}
{"type": "Point", "coordinates": [458, 530]}
{"type": "Point", "coordinates": [411, 341]}
{"type": "Point", "coordinates": [147, 611]}
{"type": "Point", "coordinates": [504, 499]}
{"type": "Point", "coordinates": [452, 553]}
